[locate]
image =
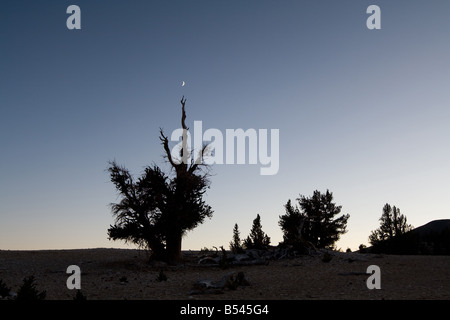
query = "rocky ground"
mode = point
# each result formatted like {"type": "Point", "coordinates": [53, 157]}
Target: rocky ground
{"type": "Point", "coordinates": [126, 274]}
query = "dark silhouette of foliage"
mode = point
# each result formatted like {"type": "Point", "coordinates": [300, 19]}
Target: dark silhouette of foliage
{"type": "Point", "coordinates": [213, 252]}
{"type": "Point", "coordinates": [4, 290]}
{"type": "Point", "coordinates": [257, 239]}
{"type": "Point", "coordinates": [156, 210]}
{"type": "Point", "coordinates": [291, 224]}
{"type": "Point", "coordinates": [435, 242]}
{"type": "Point", "coordinates": [79, 296]}
{"type": "Point", "coordinates": [236, 243]}
{"type": "Point", "coordinates": [29, 292]}
{"type": "Point", "coordinates": [432, 238]}
{"type": "Point", "coordinates": [392, 224]}
{"type": "Point", "coordinates": [391, 237]}
{"type": "Point", "coordinates": [313, 222]}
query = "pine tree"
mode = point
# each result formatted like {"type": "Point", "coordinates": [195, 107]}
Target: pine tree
{"type": "Point", "coordinates": [28, 291]}
{"type": "Point", "coordinates": [156, 210]}
{"type": "Point", "coordinates": [315, 221]}
{"type": "Point", "coordinates": [291, 224]}
{"type": "Point", "coordinates": [4, 289]}
{"type": "Point", "coordinates": [392, 224]}
{"type": "Point", "coordinates": [236, 243]}
{"type": "Point", "coordinates": [257, 239]}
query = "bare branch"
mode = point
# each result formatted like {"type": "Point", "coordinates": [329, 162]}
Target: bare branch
{"type": "Point", "coordinates": [183, 115]}
{"type": "Point", "coordinates": [199, 159]}
{"type": "Point", "coordinates": [165, 143]}
{"type": "Point", "coordinates": [184, 151]}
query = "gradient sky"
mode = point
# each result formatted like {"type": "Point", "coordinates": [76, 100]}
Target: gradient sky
{"type": "Point", "coordinates": [363, 113]}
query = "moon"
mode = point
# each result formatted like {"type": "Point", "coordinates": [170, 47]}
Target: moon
{"type": "Point", "coordinates": [183, 83]}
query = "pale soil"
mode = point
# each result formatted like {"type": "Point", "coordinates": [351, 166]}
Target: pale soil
{"type": "Point", "coordinates": [306, 277]}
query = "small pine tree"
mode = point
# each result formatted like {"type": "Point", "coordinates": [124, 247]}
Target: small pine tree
{"type": "Point", "coordinates": [28, 290]}
{"type": "Point", "coordinates": [392, 224]}
{"type": "Point", "coordinates": [257, 238]}
{"type": "Point", "coordinates": [79, 296]}
{"type": "Point", "coordinates": [4, 290]}
{"type": "Point", "coordinates": [321, 228]}
{"type": "Point", "coordinates": [236, 243]}
{"type": "Point", "coordinates": [291, 224]}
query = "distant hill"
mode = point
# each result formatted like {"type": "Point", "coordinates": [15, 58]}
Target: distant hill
{"type": "Point", "coordinates": [432, 238]}
{"type": "Point", "coordinates": [435, 226]}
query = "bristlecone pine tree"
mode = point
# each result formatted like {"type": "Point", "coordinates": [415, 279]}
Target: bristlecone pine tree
{"type": "Point", "coordinates": [156, 210]}
{"type": "Point", "coordinates": [392, 224]}
{"type": "Point", "coordinates": [314, 222]}
{"type": "Point", "coordinates": [257, 238]}
{"type": "Point", "coordinates": [291, 224]}
{"type": "Point", "coordinates": [236, 243]}
{"type": "Point", "coordinates": [28, 290]}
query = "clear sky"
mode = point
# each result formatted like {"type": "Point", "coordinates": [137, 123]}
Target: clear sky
{"type": "Point", "coordinates": [363, 113]}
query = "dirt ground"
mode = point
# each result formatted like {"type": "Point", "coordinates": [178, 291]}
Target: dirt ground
{"type": "Point", "coordinates": [125, 274]}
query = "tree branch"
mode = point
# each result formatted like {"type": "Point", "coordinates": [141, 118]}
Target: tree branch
{"type": "Point", "coordinates": [199, 159]}
{"type": "Point", "coordinates": [165, 143]}
{"type": "Point", "coordinates": [183, 115]}
{"type": "Point", "coordinates": [184, 151]}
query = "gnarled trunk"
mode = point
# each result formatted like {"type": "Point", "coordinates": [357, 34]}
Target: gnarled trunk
{"type": "Point", "coordinates": [173, 247]}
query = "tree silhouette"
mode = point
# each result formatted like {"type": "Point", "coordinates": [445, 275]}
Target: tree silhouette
{"type": "Point", "coordinates": [291, 224]}
{"type": "Point", "coordinates": [392, 224]}
{"type": "Point", "coordinates": [4, 289]}
{"type": "Point", "coordinates": [314, 223]}
{"type": "Point", "coordinates": [236, 243]}
{"type": "Point", "coordinates": [257, 239]}
{"type": "Point", "coordinates": [156, 210]}
{"type": "Point", "coordinates": [28, 291]}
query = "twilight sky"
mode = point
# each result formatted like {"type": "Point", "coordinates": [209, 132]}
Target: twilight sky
{"type": "Point", "coordinates": [363, 113]}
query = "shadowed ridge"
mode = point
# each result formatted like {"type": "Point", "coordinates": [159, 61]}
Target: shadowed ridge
{"type": "Point", "coordinates": [433, 226]}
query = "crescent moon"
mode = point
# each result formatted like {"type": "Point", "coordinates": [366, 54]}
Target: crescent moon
{"type": "Point", "coordinates": [183, 83]}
